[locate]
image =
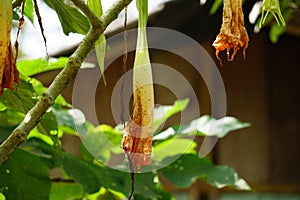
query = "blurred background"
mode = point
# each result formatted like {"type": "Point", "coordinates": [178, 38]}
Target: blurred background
{"type": "Point", "coordinates": [262, 90]}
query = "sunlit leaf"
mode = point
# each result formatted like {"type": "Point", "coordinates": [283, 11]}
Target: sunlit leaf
{"type": "Point", "coordinates": [65, 190]}
{"type": "Point", "coordinates": [172, 147]}
{"type": "Point", "coordinates": [189, 167]}
{"type": "Point", "coordinates": [33, 67]}
{"type": "Point", "coordinates": [162, 113]}
{"type": "Point", "coordinates": [28, 10]}
{"type": "Point", "coordinates": [70, 18]}
{"type": "Point", "coordinates": [205, 126]}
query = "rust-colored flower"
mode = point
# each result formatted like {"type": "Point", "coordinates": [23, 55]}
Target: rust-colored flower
{"type": "Point", "coordinates": [233, 34]}
{"type": "Point", "coordinates": [8, 71]}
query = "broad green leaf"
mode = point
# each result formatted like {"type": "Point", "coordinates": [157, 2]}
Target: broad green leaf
{"type": "Point", "coordinates": [2, 197]}
{"type": "Point", "coordinates": [21, 99]}
{"type": "Point", "coordinates": [33, 67]}
{"type": "Point", "coordinates": [24, 176]}
{"type": "Point", "coordinates": [72, 118]}
{"type": "Point", "coordinates": [65, 190]}
{"type": "Point", "coordinates": [204, 126]}
{"type": "Point", "coordinates": [189, 167]}
{"type": "Point", "coordinates": [172, 147]}
{"type": "Point", "coordinates": [100, 47]}
{"type": "Point", "coordinates": [162, 113]}
{"type": "Point", "coordinates": [28, 10]}
{"type": "Point", "coordinates": [10, 117]}
{"type": "Point", "coordinates": [101, 141]}
{"type": "Point", "coordinates": [5, 131]}
{"type": "Point", "coordinates": [91, 176]}
{"type": "Point", "coordinates": [70, 18]}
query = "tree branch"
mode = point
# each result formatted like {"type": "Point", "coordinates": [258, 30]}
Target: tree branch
{"type": "Point", "coordinates": [61, 81]}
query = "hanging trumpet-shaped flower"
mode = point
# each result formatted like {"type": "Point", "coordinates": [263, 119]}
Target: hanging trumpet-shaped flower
{"type": "Point", "coordinates": [137, 141]}
{"type": "Point", "coordinates": [8, 71]}
{"type": "Point", "coordinates": [233, 34]}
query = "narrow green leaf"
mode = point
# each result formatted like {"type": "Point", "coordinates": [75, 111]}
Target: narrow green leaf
{"type": "Point", "coordinates": [216, 5]}
{"type": "Point", "coordinates": [162, 113]}
{"type": "Point", "coordinates": [189, 167]}
{"type": "Point", "coordinates": [24, 176]}
{"type": "Point", "coordinates": [70, 18]}
{"type": "Point", "coordinates": [29, 10]}
{"type": "Point", "coordinates": [100, 48]}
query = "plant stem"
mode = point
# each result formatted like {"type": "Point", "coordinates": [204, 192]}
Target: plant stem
{"type": "Point", "coordinates": [32, 118]}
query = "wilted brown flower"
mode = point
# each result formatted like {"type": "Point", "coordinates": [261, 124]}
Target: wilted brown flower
{"type": "Point", "coordinates": [233, 34]}
{"type": "Point", "coordinates": [8, 71]}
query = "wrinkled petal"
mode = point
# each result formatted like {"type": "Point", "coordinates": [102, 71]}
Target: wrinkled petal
{"type": "Point", "coordinates": [8, 70]}
{"type": "Point", "coordinates": [233, 34]}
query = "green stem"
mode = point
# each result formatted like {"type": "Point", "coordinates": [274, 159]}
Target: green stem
{"type": "Point", "coordinates": [61, 81]}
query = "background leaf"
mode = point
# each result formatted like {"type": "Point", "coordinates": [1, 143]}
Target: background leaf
{"type": "Point", "coordinates": [66, 190]}
{"type": "Point", "coordinates": [36, 66]}
{"type": "Point", "coordinates": [204, 126]}
{"type": "Point", "coordinates": [189, 167]}
{"type": "Point", "coordinates": [70, 18]}
{"type": "Point", "coordinates": [162, 113]}
{"type": "Point", "coordinates": [24, 176]}
{"type": "Point", "coordinates": [28, 10]}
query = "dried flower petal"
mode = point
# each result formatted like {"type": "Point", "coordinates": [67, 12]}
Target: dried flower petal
{"type": "Point", "coordinates": [233, 34]}
{"type": "Point", "coordinates": [8, 71]}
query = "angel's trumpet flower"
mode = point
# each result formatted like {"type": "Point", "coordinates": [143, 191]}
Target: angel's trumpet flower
{"type": "Point", "coordinates": [137, 141]}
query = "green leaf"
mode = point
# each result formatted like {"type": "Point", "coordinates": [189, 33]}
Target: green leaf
{"type": "Point", "coordinates": [100, 48]}
{"type": "Point", "coordinates": [24, 176]}
{"type": "Point", "coordinates": [101, 141]}
{"type": "Point", "coordinates": [189, 167]}
{"type": "Point", "coordinates": [5, 131]}
{"type": "Point", "coordinates": [70, 18]}
{"type": "Point", "coordinates": [21, 99]}
{"type": "Point", "coordinates": [216, 5]}
{"type": "Point", "coordinates": [29, 10]}
{"type": "Point", "coordinates": [2, 197]}
{"type": "Point", "coordinates": [209, 126]}
{"type": "Point", "coordinates": [162, 113]}
{"type": "Point", "coordinates": [106, 194]}
{"type": "Point", "coordinates": [66, 190]}
{"type": "Point", "coordinates": [33, 67]}
{"type": "Point", "coordinates": [10, 117]}
{"type": "Point", "coordinates": [172, 147]}
{"type": "Point", "coordinates": [91, 176]}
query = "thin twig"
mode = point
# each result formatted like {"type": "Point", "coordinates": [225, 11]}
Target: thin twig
{"type": "Point", "coordinates": [61, 81]}
{"type": "Point", "coordinates": [37, 13]}
{"type": "Point", "coordinates": [20, 26]}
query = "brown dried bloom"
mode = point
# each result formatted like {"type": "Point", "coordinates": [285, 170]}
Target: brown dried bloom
{"type": "Point", "coordinates": [233, 33]}
{"type": "Point", "coordinates": [8, 71]}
